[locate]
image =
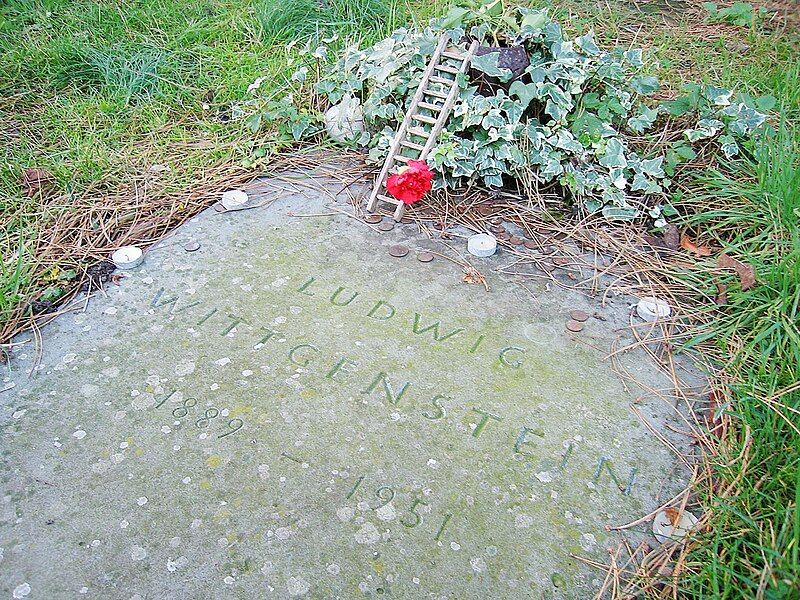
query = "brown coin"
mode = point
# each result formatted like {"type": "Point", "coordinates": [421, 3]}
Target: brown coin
{"type": "Point", "coordinates": [191, 246]}
{"type": "Point", "coordinates": [218, 207]}
{"type": "Point", "coordinates": [516, 240]}
{"type": "Point", "coordinates": [578, 315]}
{"type": "Point", "coordinates": [530, 244]}
{"type": "Point", "coordinates": [398, 251]}
{"type": "Point", "coordinates": [574, 326]}
{"type": "Point", "coordinates": [485, 211]}
{"type": "Point", "coordinates": [438, 225]}
{"type": "Point", "coordinates": [505, 236]}
{"type": "Point", "coordinates": [497, 229]}
{"type": "Point", "coordinates": [406, 220]}
{"type": "Point", "coordinates": [386, 226]}
{"type": "Point", "coordinates": [545, 266]}
{"type": "Point", "coordinates": [424, 257]}
{"type": "Point", "coordinates": [373, 219]}
{"type": "Point", "coordinates": [561, 261]}
{"type": "Point", "coordinates": [496, 221]}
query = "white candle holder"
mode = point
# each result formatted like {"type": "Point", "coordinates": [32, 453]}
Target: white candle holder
{"type": "Point", "coordinates": [234, 199]}
{"type": "Point", "coordinates": [652, 309]}
{"type": "Point", "coordinates": [127, 257]}
{"type": "Point", "coordinates": [482, 244]}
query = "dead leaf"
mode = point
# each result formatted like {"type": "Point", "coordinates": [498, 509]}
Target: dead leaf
{"type": "Point", "coordinates": [688, 245]}
{"type": "Point", "coordinates": [116, 278]}
{"type": "Point", "coordinates": [672, 237]}
{"type": "Point", "coordinates": [472, 276]}
{"type": "Point", "coordinates": [36, 180]}
{"type": "Point", "coordinates": [746, 273]}
{"type": "Point", "coordinates": [673, 515]}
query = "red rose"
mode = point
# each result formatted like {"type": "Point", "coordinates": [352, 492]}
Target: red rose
{"type": "Point", "coordinates": [411, 182]}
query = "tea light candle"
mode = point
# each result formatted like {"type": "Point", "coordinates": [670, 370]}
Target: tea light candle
{"type": "Point", "coordinates": [233, 199]}
{"type": "Point", "coordinates": [652, 309]}
{"type": "Point", "coordinates": [482, 244]}
{"type": "Point", "coordinates": [127, 257]}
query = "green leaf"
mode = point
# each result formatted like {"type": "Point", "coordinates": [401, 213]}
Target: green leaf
{"type": "Point", "coordinates": [253, 122]}
{"type": "Point", "coordinates": [488, 64]}
{"type": "Point", "coordinates": [645, 84]}
{"type": "Point", "coordinates": [453, 18]}
{"type": "Point", "coordinates": [766, 103]}
{"type": "Point", "coordinates": [533, 20]}
{"type": "Point", "coordinates": [614, 154]}
{"type": "Point", "coordinates": [526, 92]}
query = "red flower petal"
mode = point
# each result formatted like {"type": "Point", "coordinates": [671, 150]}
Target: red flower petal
{"type": "Point", "coordinates": [412, 183]}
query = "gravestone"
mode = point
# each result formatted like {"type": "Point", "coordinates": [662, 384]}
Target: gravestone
{"type": "Point", "coordinates": [289, 411]}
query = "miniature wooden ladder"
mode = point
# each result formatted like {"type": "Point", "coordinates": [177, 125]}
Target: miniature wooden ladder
{"type": "Point", "coordinates": [426, 116]}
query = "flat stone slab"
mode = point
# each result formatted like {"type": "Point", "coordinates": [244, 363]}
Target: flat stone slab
{"type": "Point", "coordinates": [289, 411]}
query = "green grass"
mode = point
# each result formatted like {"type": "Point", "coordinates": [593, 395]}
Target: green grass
{"type": "Point", "coordinates": [98, 91]}
{"type": "Point", "coordinates": [753, 211]}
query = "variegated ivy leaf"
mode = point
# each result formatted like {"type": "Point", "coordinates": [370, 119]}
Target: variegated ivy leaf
{"type": "Point", "coordinates": [614, 155]}
{"type": "Point", "coordinates": [645, 84]}
{"type": "Point", "coordinates": [494, 118]}
{"type": "Point", "coordinates": [495, 181]}
{"type": "Point", "coordinates": [634, 57]}
{"type": "Point", "coordinates": [587, 44]}
{"type": "Point", "coordinates": [526, 92]}
{"type": "Point", "coordinates": [488, 64]}
{"type": "Point", "coordinates": [642, 184]}
{"type": "Point", "coordinates": [706, 128]}
{"type": "Point", "coordinates": [718, 96]}
{"type": "Point", "coordinates": [745, 120]}
{"type": "Point", "coordinates": [653, 167]}
{"type": "Point", "coordinates": [644, 120]}
{"type": "Point", "coordinates": [564, 140]}
{"type": "Point", "coordinates": [728, 145]}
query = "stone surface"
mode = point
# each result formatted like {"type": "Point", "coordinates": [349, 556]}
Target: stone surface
{"type": "Point", "coordinates": [291, 412]}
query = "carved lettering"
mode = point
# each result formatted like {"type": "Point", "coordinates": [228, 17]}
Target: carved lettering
{"type": "Point", "coordinates": [433, 327]}
{"type": "Point", "coordinates": [303, 360]}
{"type": "Point", "coordinates": [353, 296]}
{"type": "Point", "coordinates": [387, 388]}
{"type": "Point", "coordinates": [303, 289]}
{"type": "Point", "coordinates": [437, 404]}
{"type": "Point", "coordinates": [514, 364]}
{"type": "Point", "coordinates": [522, 440]}
{"type": "Point", "coordinates": [343, 366]}
{"type": "Point", "coordinates": [605, 463]}
{"type": "Point", "coordinates": [379, 305]}
{"type": "Point", "coordinates": [485, 418]}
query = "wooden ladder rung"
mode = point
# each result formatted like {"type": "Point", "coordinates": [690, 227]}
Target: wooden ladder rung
{"type": "Point", "coordinates": [436, 94]}
{"type": "Point", "coordinates": [424, 119]}
{"type": "Point", "coordinates": [443, 80]}
{"type": "Point", "coordinates": [408, 144]}
{"type": "Point", "coordinates": [419, 132]}
{"type": "Point", "coordinates": [453, 55]}
{"type": "Point", "coordinates": [429, 106]}
{"type": "Point", "coordinates": [389, 199]}
{"type": "Point", "coordinates": [447, 69]}
{"type": "Point", "coordinates": [401, 158]}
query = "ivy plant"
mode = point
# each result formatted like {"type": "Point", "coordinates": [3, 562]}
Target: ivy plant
{"type": "Point", "coordinates": [578, 116]}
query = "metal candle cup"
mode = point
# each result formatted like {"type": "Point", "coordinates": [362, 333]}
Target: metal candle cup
{"type": "Point", "coordinates": [482, 244]}
{"type": "Point", "coordinates": [127, 257]}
